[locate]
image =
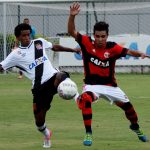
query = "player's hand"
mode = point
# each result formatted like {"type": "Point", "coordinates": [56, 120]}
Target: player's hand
{"type": "Point", "coordinates": [144, 56]}
{"type": "Point", "coordinates": [74, 9]}
{"type": "Point", "coordinates": [78, 50]}
{"type": "Point", "coordinates": [148, 56]}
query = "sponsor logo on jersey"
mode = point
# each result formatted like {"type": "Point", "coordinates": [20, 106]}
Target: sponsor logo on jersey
{"type": "Point", "coordinates": [19, 52]}
{"type": "Point", "coordinates": [99, 62]}
{"type": "Point", "coordinates": [37, 62]}
{"type": "Point", "coordinates": [38, 46]}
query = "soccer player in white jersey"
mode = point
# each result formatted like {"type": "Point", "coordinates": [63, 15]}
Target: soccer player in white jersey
{"type": "Point", "coordinates": [31, 58]}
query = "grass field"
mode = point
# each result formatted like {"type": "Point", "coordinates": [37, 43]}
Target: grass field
{"type": "Point", "coordinates": [110, 127]}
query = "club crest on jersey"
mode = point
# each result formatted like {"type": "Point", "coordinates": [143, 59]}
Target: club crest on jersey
{"type": "Point", "coordinates": [22, 54]}
{"type": "Point", "coordinates": [19, 52]}
{"type": "Point", "coordinates": [37, 62]}
{"type": "Point", "coordinates": [38, 46]}
{"type": "Point", "coordinates": [99, 62]}
{"type": "Point", "coordinates": [94, 50]}
{"type": "Point", "coordinates": [106, 55]}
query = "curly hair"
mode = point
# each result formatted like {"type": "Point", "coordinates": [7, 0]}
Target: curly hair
{"type": "Point", "coordinates": [21, 27]}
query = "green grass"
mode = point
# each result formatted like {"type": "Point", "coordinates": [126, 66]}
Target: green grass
{"type": "Point", "coordinates": [110, 127]}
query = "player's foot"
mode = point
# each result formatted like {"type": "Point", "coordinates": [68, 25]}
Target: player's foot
{"type": "Point", "coordinates": [88, 139]}
{"type": "Point", "coordinates": [47, 141]}
{"type": "Point", "coordinates": [140, 134]}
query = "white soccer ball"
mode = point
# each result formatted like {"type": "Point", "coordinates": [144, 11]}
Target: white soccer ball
{"type": "Point", "coordinates": [67, 89]}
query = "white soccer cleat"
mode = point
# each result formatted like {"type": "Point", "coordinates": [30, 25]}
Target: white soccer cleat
{"type": "Point", "coordinates": [47, 142]}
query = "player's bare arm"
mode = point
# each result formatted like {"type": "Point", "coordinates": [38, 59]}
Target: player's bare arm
{"type": "Point", "coordinates": [137, 54]}
{"type": "Point", "coordinates": [59, 48]}
{"type": "Point", "coordinates": [74, 10]}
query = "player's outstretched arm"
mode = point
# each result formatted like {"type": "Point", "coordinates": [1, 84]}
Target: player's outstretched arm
{"type": "Point", "coordinates": [137, 54]}
{"type": "Point", "coordinates": [74, 10]}
{"type": "Point", "coordinates": [59, 48]}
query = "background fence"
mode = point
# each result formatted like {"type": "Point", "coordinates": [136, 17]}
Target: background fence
{"type": "Point", "coordinates": [50, 19]}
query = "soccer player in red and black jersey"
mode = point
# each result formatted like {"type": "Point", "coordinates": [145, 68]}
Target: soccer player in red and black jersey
{"type": "Point", "coordinates": [99, 58]}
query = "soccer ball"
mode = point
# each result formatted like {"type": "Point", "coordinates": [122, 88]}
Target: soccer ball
{"type": "Point", "coordinates": [67, 89]}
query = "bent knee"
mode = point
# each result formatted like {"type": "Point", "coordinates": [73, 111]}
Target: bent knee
{"type": "Point", "coordinates": [84, 100]}
{"type": "Point", "coordinates": [60, 76]}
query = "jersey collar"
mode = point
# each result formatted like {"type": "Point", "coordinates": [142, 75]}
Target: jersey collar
{"type": "Point", "coordinates": [21, 47]}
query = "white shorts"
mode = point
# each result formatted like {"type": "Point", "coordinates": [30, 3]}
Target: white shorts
{"type": "Point", "coordinates": [109, 93]}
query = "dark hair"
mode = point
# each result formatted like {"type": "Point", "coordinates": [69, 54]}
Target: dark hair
{"type": "Point", "coordinates": [101, 26]}
{"type": "Point", "coordinates": [21, 27]}
{"type": "Point", "coordinates": [26, 19]}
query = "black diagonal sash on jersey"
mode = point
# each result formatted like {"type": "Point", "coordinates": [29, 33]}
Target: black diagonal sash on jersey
{"type": "Point", "coordinates": [38, 47]}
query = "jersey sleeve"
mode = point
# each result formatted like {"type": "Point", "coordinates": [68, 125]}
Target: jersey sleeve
{"type": "Point", "coordinates": [9, 62]}
{"type": "Point", "coordinates": [83, 40]}
{"type": "Point", "coordinates": [120, 51]}
{"type": "Point", "coordinates": [79, 38]}
{"type": "Point", "coordinates": [47, 44]}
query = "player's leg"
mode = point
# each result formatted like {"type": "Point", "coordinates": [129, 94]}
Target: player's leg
{"type": "Point", "coordinates": [39, 116]}
{"type": "Point", "coordinates": [41, 105]}
{"type": "Point", "coordinates": [42, 98]}
{"type": "Point", "coordinates": [129, 110]}
{"type": "Point", "coordinates": [84, 102]}
{"type": "Point", "coordinates": [131, 115]}
{"type": "Point", "coordinates": [59, 77]}
{"type": "Point", "coordinates": [116, 95]}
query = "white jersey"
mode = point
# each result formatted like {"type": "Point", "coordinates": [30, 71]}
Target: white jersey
{"type": "Point", "coordinates": [24, 58]}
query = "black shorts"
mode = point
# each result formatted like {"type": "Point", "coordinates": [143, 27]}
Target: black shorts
{"type": "Point", "coordinates": [43, 96]}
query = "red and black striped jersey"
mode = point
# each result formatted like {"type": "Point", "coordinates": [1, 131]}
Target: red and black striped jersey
{"type": "Point", "coordinates": [99, 63]}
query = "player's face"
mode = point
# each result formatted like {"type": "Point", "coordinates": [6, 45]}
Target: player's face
{"type": "Point", "coordinates": [24, 38]}
{"type": "Point", "coordinates": [100, 38]}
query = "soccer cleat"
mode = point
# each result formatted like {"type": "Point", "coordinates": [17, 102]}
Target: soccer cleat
{"type": "Point", "coordinates": [88, 139]}
{"type": "Point", "coordinates": [47, 141]}
{"type": "Point", "coordinates": [140, 134]}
